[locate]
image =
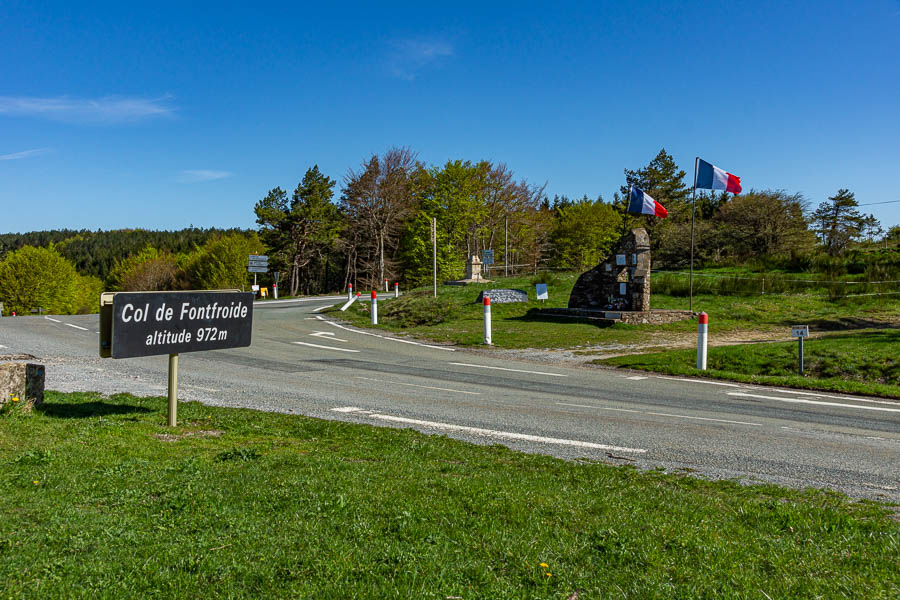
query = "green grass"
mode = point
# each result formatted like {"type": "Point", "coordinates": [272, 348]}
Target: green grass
{"type": "Point", "coordinates": [247, 504]}
{"type": "Point", "coordinates": [455, 317]}
{"type": "Point", "coordinates": [862, 362]}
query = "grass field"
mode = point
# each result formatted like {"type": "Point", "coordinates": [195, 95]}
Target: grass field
{"type": "Point", "coordinates": [862, 362]}
{"type": "Point", "coordinates": [101, 500]}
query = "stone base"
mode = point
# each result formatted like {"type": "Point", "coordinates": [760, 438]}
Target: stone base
{"type": "Point", "coordinates": [633, 317]}
{"type": "Point", "coordinates": [503, 296]}
{"type": "Point", "coordinates": [467, 281]}
{"type": "Point", "coordinates": [21, 380]}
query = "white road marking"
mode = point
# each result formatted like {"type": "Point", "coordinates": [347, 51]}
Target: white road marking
{"type": "Point", "coordinates": [818, 402]}
{"type": "Point", "coordinates": [323, 307]}
{"type": "Point", "coordinates": [636, 378]}
{"type": "Point", "coordinates": [346, 409]}
{"type": "Point", "coordinates": [497, 434]}
{"type": "Point", "coordinates": [54, 320]}
{"type": "Point", "coordinates": [2, 346]}
{"type": "Point", "coordinates": [75, 326]}
{"type": "Point", "coordinates": [737, 385]}
{"type": "Point", "coordinates": [392, 339]}
{"type": "Point", "coordinates": [324, 347]}
{"type": "Point", "coordinates": [837, 397]}
{"type": "Point", "coordinates": [268, 302]}
{"type": "Point", "coordinates": [427, 387]}
{"type": "Point", "coordinates": [646, 412]}
{"type": "Point", "coordinates": [328, 335]}
{"type": "Point", "coordinates": [505, 369]}
{"type": "Point", "coordinates": [705, 419]}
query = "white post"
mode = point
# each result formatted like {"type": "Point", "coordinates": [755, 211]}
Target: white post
{"type": "Point", "coordinates": [374, 307]}
{"type": "Point", "coordinates": [396, 289]}
{"type": "Point", "coordinates": [173, 390]}
{"type": "Point", "coordinates": [349, 291]}
{"type": "Point", "coordinates": [702, 326]}
{"type": "Point", "coordinates": [385, 285]}
{"type": "Point", "coordinates": [487, 320]}
{"type": "Point", "coordinates": [275, 289]}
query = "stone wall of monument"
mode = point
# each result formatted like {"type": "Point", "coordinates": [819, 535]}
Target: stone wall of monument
{"type": "Point", "coordinates": [621, 282]}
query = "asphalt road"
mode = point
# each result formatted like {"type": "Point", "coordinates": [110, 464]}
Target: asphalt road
{"type": "Point", "coordinates": [304, 363]}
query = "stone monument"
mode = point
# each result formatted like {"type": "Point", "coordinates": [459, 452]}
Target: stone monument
{"type": "Point", "coordinates": [473, 273]}
{"type": "Point", "coordinates": [619, 283]}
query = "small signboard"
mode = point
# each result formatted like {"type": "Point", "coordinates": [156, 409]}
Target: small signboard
{"type": "Point", "coordinates": [622, 289]}
{"type": "Point", "coordinates": [487, 257]}
{"type": "Point", "coordinates": [541, 289]}
{"type": "Point", "coordinates": [255, 269]}
{"type": "Point", "coordinates": [800, 331]}
{"type": "Point", "coordinates": [152, 323]}
{"type": "Point", "coordinates": [258, 260]}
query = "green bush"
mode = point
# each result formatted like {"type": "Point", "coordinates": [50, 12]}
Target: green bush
{"type": "Point", "coordinates": [32, 278]}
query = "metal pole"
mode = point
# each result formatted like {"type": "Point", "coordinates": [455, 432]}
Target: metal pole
{"type": "Point", "coordinates": [487, 320]}
{"type": "Point", "coordinates": [801, 354]}
{"type": "Point", "coordinates": [173, 389]}
{"type": "Point", "coordinates": [434, 252]}
{"type": "Point", "coordinates": [693, 210]}
{"type": "Point", "coordinates": [506, 246]}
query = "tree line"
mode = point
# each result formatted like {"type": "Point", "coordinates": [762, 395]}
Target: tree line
{"type": "Point", "coordinates": [377, 225]}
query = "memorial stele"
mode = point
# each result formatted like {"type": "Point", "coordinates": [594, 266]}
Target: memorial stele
{"type": "Point", "coordinates": [621, 282]}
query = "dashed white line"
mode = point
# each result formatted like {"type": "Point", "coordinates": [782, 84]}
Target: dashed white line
{"type": "Point", "coordinates": [427, 387]}
{"type": "Point", "coordinates": [658, 414]}
{"type": "Point", "coordinates": [496, 434]}
{"type": "Point", "coordinates": [737, 385]}
{"type": "Point", "coordinates": [261, 303]}
{"type": "Point", "coordinates": [75, 326]}
{"type": "Point", "coordinates": [324, 347]}
{"type": "Point", "coordinates": [837, 397]}
{"type": "Point", "coordinates": [817, 402]}
{"type": "Point", "coordinates": [636, 378]}
{"type": "Point", "coordinates": [315, 310]}
{"type": "Point", "coordinates": [384, 337]}
{"type": "Point", "coordinates": [506, 369]}
{"type": "Point", "coordinates": [327, 335]}
{"type": "Point", "coordinates": [54, 320]}
{"type": "Point", "coordinates": [2, 346]}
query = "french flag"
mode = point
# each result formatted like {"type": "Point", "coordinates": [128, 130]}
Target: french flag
{"type": "Point", "coordinates": [642, 204]}
{"type": "Point", "coordinates": [711, 177]}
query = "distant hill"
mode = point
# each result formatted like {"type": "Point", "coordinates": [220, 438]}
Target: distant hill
{"type": "Point", "coordinates": [95, 252]}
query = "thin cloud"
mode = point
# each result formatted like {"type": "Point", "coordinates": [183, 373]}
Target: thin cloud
{"type": "Point", "coordinates": [200, 175]}
{"type": "Point", "coordinates": [108, 110]}
{"type": "Point", "coordinates": [24, 154]}
{"type": "Point", "coordinates": [408, 58]}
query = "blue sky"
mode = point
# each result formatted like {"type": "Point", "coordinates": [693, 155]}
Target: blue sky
{"type": "Point", "coordinates": [163, 115]}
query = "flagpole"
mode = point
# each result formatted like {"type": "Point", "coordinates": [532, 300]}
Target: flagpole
{"type": "Point", "coordinates": [693, 210]}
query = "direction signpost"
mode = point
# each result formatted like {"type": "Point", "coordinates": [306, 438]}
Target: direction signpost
{"type": "Point", "coordinates": [257, 263]}
{"type": "Point", "coordinates": [136, 324]}
{"type": "Point", "coordinates": [800, 332]}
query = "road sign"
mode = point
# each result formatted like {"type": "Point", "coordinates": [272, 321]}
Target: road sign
{"type": "Point", "coordinates": [541, 289]}
{"type": "Point", "coordinates": [254, 269]}
{"type": "Point", "coordinates": [257, 260]}
{"type": "Point", "coordinates": [151, 323]}
{"type": "Point", "coordinates": [800, 331]}
{"type": "Point", "coordinates": [487, 257]}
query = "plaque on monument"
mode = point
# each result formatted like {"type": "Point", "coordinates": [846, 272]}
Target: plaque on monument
{"type": "Point", "coordinates": [620, 259]}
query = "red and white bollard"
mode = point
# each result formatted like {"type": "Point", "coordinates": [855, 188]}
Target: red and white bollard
{"type": "Point", "coordinates": [374, 307]}
{"type": "Point", "coordinates": [702, 326]}
{"type": "Point", "coordinates": [487, 320]}
{"type": "Point", "coordinates": [385, 285]}
{"type": "Point", "coordinates": [396, 289]}
{"type": "Point", "coordinates": [349, 291]}
{"type": "Point", "coordinates": [275, 289]}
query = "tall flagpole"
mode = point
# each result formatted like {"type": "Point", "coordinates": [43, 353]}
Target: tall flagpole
{"type": "Point", "coordinates": [693, 210]}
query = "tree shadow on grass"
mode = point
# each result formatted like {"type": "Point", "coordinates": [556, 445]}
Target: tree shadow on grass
{"type": "Point", "coordinates": [86, 410]}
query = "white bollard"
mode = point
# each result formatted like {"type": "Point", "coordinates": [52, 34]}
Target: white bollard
{"type": "Point", "coordinates": [702, 326]}
{"type": "Point", "coordinates": [487, 320]}
{"type": "Point", "coordinates": [385, 285]}
{"type": "Point", "coordinates": [349, 291]}
{"type": "Point", "coordinates": [275, 289]}
{"type": "Point", "coordinates": [374, 307]}
{"type": "Point", "coordinates": [396, 289]}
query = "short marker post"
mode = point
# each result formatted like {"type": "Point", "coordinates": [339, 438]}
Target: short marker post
{"type": "Point", "coordinates": [702, 326]}
{"type": "Point", "coordinates": [487, 320]}
{"type": "Point", "coordinates": [374, 307]}
{"type": "Point", "coordinates": [396, 289]}
{"type": "Point", "coordinates": [385, 285]}
{"type": "Point", "coordinates": [349, 291]}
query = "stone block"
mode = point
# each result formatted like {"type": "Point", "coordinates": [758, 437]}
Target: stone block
{"type": "Point", "coordinates": [503, 296]}
{"type": "Point", "coordinates": [21, 380]}
{"type": "Point", "coordinates": [621, 282]}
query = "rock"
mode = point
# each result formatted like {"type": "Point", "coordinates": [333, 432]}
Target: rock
{"type": "Point", "coordinates": [21, 380]}
{"type": "Point", "coordinates": [503, 296]}
{"type": "Point", "coordinates": [619, 283]}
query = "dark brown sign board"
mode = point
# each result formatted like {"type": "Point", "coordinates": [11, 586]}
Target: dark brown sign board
{"type": "Point", "coordinates": [151, 323]}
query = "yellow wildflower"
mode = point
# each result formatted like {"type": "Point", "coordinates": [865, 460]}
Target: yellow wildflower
{"type": "Point", "coordinates": [15, 399]}
{"type": "Point", "coordinates": [36, 482]}
{"type": "Point", "coordinates": [549, 574]}
{"type": "Point", "coordinates": [545, 565]}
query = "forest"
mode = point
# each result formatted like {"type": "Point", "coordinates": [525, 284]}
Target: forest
{"type": "Point", "coordinates": [377, 225]}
